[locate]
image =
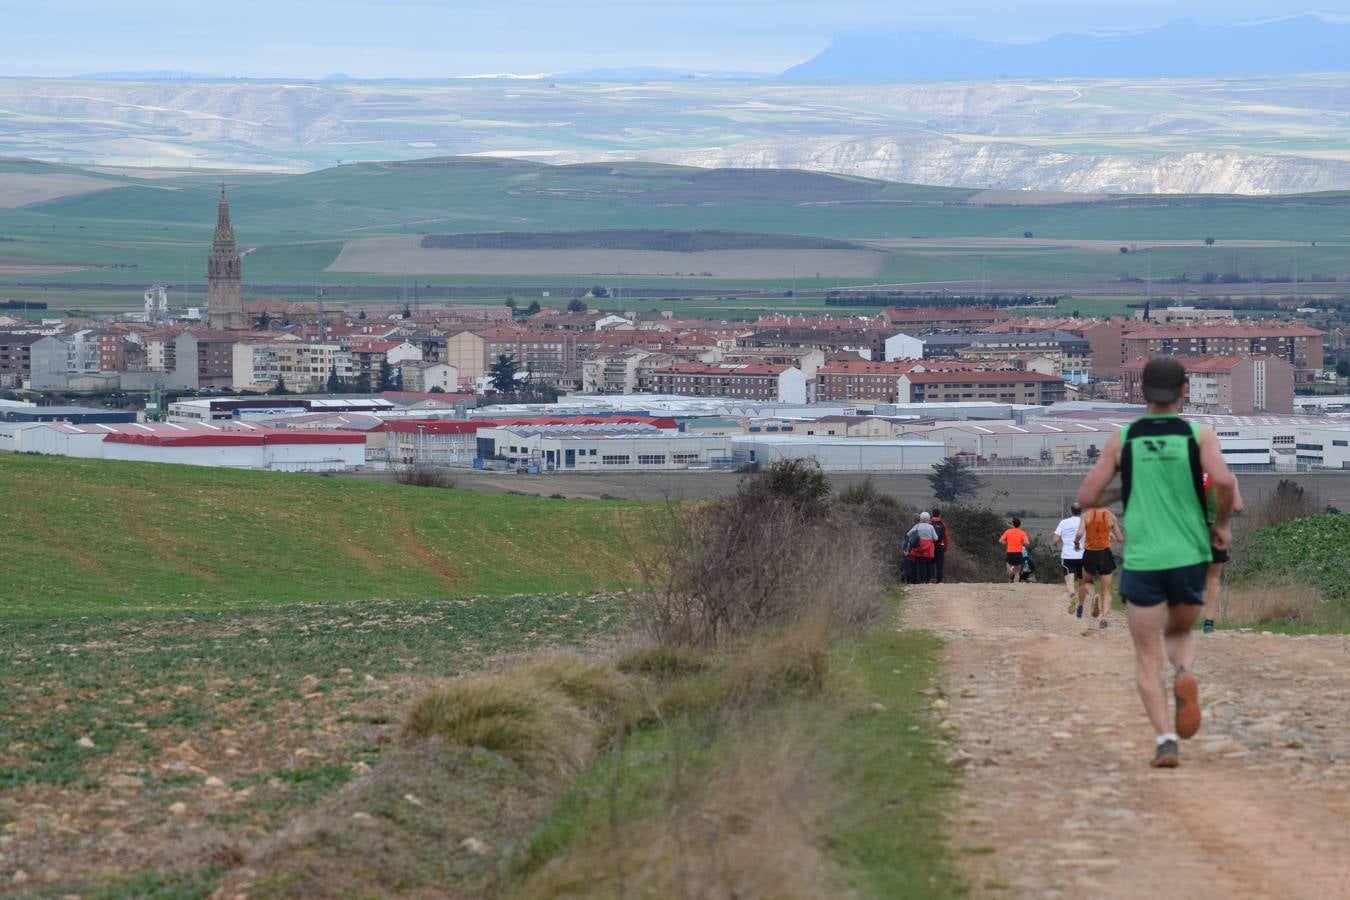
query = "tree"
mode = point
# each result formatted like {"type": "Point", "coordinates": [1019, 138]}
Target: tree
{"type": "Point", "coordinates": [335, 385]}
{"type": "Point", "coordinates": [599, 291]}
{"type": "Point", "coordinates": [362, 315]}
{"type": "Point", "coordinates": [1209, 242]}
{"type": "Point", "coordinates": [407, 311]}
{"type": "Point", "coordinates": [264, 319]}
{"type": "Point", "coordinates": [363, 383]}
{"type": "Point", "coordinates": [503, 374]}
{"type": "Point", "coordinates": [386, 380]}
{"type": "Point", "coordinates": [1124, 250]}
{"type": "Point", "coordinates": [1343, 368]}
{"type": "Point", "coordinates": [952, 480]}
{"type": "Point", "coordinates": [1027, 234]}
{"type": "Point", "coordinates": [511, 303]}
{"type": "Point", "coordinates": [532, 308]}
{"type": "Point", "coordinates": [280, 386]}
{"type": "Point", "coordinates": [575, 305]}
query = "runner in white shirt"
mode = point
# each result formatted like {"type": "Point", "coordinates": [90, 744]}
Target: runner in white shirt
{"type": "Point", "coordinates": [1071, 557]}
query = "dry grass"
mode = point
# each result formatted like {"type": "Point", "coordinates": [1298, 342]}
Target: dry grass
{"type": "Point", "coordinates": [662, 664]}
{"type": "Point", "coordinates": [538, 729]}
{"type": "Point", "coordinates": [1276, 601]}
{"type": "Point", "coordinates": [738, 831]}
{"type": "Point", "coordinates": [424, 476]}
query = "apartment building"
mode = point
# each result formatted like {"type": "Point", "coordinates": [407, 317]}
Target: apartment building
{"type": "Point", "coordinates": [861, 379]}
{"type": "Point", "coordinates": [16, 358]}
{"type": "Point", "coordinates": [1299, 345]}
{"type": "Point", "coordinates": [739, 381]}
{"type": "Point", "coordinates": [1227, 385]}
{"type": "Point", "coordinates": [1070, 355]}
{"type": "Point", "coordinates": [1030, 388]}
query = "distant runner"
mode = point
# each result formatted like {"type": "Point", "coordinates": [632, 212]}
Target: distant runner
{"type": "Point", "coordinates": [1214, 576]}
{"type": "Point", "coordinates": [1071, 557]}
{"type": "Point", "coordinates": [1014, 541]}
{"type": "Point", "coordinates": [1171, 542]}
{"type": "Point", "coordinates": [923, 547]}
{"type": "Point", "coordinates": [1096, 533]}
{"type": "Point", "coordinates": [944, 540]}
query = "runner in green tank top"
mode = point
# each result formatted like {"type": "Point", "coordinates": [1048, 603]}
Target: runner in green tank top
{"type": "Point", "coordinates": [1168, 539]}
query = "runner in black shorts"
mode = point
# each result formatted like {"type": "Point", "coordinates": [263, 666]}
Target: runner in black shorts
{"type": "Point", "coordinates": [1214, 575]}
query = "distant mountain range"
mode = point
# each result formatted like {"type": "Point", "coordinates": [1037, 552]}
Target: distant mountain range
{"type": "Point", "coordinates": [1305, 43]}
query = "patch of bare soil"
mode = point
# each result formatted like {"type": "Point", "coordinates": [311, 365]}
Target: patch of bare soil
{"type": "Point", "coordinates": [1059, 798]}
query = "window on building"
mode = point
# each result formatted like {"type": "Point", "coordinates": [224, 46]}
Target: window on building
{"type": "Point", "coordinates": [615, 460]}
{"type": "Point", "coordinates": [651, 459]}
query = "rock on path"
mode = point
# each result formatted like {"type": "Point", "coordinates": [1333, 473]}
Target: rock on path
{"type": "Point", "coordinates": [1058, 798]}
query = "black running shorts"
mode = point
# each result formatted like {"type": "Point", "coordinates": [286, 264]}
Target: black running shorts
{"type": "Point", "coordinates": [1098, 562]}
{"type": "Point", "coordinates": [1175, 587]}
{"type": "Point", "coordinates": [1072, 567]}
{"type": "Point", "coordinates": [1013, 559]}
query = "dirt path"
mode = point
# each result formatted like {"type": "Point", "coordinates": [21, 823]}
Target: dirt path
{"type": "Point", "coordinates": [1058, 799]}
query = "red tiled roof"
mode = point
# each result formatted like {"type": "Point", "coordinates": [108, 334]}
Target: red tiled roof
{"type": "Point", "coordinates": [1159, 332]}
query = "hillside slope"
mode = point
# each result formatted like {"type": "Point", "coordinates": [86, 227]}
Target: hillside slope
{"type": "Point", "coordinates": [88, 537]}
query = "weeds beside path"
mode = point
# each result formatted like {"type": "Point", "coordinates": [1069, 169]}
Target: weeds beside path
{"type": "Point", "coordinates": [1058, 797]}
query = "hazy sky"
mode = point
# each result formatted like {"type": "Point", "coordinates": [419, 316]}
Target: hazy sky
{"type": "Point", "coordinates": [430, 38]}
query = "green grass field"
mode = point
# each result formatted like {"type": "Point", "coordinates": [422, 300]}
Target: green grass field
{"type": "Point", "coordinates": [93, 537]}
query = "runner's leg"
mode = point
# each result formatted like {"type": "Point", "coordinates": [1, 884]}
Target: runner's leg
{"type": "Point", "coordinates": [1179, 635]}
{"type": "Point", "coordinates": [1213, 587]}
{"type": "Point", "coordinates": [1146, 624]}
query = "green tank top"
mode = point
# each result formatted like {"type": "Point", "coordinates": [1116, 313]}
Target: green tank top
{"type": "Point", "coordinates": [1162, 487]}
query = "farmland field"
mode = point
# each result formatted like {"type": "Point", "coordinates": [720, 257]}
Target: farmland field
{"type": "Point", "coordinates": [358, 228]}
{"type": "Point", "coordinates": [189, 658]}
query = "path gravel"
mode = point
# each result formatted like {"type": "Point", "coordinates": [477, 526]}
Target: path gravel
{"type": "Point", "coordinates": [1058, 797]}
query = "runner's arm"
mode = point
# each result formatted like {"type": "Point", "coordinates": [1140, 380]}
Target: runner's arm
{"type": "Point", "coordinates": [1116, 533]}
{"type": "Point", "coordinates": [1097, 480]}
{"type": "Point", "coordinates": [1237, 497]}
{"type": "Point", "coordinates": [1224, 484]}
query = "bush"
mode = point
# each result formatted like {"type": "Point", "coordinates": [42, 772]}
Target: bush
{"type": "Point", "coordinates": [766, 557]}
{"type": "Point", "coordinates": [424, 476]}
{"type": "Point", "coordinates": [1310, 550]}
{"type": "Point", "coordinates": [975, 554]}
{"type": "Point", "coordinates": [1288, 501]}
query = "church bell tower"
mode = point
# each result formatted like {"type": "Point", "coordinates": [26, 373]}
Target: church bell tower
{"type": "Point", "coordinates": [224, 301]}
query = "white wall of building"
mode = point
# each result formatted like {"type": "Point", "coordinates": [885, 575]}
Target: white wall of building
{"type": "Point", "coordinates": [841, 454]}
{"type": "Point", "coordinates": [792, 386]}
{"type": "Point", "coordinates": [902, 346]}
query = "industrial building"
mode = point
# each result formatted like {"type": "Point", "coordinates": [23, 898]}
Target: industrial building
{"type": "Point", "coordinates": [600, 448]}
{"type": "Point", "coordinates": [836, 454]}
{"type": "Point", "coordinates": [1324, 446]}
{"type": "Point", "coordinates": [238, 446]}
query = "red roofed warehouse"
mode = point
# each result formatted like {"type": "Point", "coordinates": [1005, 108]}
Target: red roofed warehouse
{"type": "Point", "coordinates": [239, 447]}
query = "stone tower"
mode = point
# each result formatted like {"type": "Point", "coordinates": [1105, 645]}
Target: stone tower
{"type": "Point", "coordinates": [224, 302]}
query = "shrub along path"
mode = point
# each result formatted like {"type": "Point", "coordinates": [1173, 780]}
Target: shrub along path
{"type": "Point", "coordinates": [1058, 793]}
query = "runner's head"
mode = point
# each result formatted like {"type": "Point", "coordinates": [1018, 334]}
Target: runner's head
{"type": "Point", "coordinates": [1164, 381]}
{"type": "Point", "coordinates": [1076, 510]}
{"type": "Point", "coordinates": [1017, 523]}
{"type": "Point", "coordinates": [937, 513]}
{"type": "Point", "coordinates": [924, 517]}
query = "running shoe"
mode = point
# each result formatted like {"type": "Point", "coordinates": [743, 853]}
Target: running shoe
{"type": "Point", "coordinates": [1080, 611]}
{"type": "Point", "coordinates": [1209, 626]}
{"type": "Point", "coordinates": [1187, 691]}
{"type": "Point", "coordinates": [1096, 608]}
{"type": "Point", "coordinates": [1167, 757]}
{"type": "Point", "coordinates": [1102, 622]}
{"type": "Point", "coordinates": [1073, 602]}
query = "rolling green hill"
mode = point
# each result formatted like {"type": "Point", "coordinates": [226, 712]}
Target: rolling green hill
{"type": "Point", "coordinates": [88, 537]}
{"type": "Point", "coordinates": [154, 226]}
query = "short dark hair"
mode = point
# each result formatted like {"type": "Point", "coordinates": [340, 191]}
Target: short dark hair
{"type": "Point", "coordinates": [1162, 379]}
{"type": "Point", "coordinates": [1017, 523]}
{"type": "Point", "coordinates": [1076, 508]}
{"type": "Point", "coordinates": [936, 512]}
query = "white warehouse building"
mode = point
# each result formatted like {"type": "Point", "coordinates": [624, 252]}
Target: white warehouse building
{"type": "Point", "coordinates": [601, 448]}
{"type": "Point", "coordinates": [840, 454]}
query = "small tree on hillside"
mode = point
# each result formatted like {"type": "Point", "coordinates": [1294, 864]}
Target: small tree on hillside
{"type": "Point", "coordinates": [1209, 242]}
{"type": "Point", "coordinates": [532, 308]}
{"type": "Point", "coordinates": [575, 305]}
{"type": "Point", "coordinates": [953, 481]}
{"type": "Point", "coordinates": [503, 374]}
